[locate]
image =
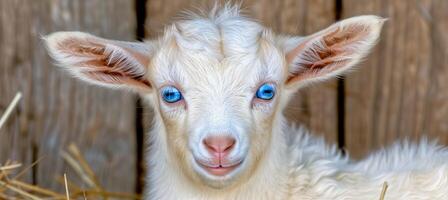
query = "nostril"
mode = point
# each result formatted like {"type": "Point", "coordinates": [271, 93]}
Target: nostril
{"type": "Point", "coordinates": [219, 144]}
{"type": "Point", "coordinates": [209, 146]}
{"type": "Point", "coordinates": [230, 146]}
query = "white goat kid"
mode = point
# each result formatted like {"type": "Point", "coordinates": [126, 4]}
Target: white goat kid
{"type": "Point", "coordinates": [218, 85]}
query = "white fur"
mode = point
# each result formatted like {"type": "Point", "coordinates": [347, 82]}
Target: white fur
{"type": "Point", "coordinates": [218, 61]}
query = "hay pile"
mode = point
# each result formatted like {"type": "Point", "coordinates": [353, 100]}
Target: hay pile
{"type": "Point", "coordinates": [11, 186]}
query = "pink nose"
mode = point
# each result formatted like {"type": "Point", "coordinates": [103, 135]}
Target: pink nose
{"type": "Point", "coordinates": [219, 144]}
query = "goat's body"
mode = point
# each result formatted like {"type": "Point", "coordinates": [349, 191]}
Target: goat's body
{"type": "Point", "coordinates": [305, 167]}
{"type": "Point", "coordinates": [412, 171]}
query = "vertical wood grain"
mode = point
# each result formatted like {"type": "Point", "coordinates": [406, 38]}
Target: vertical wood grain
{"type": "Point", "coordinates": [56, 109]}
{"type": "Point", "coordinates": [315, 106]}
{"type": "Point", "coordinates": [400, 91]}
{"type": "Point", "coordinates": [15, 71]}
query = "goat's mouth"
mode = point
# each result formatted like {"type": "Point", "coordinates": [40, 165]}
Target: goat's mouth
{"type": "Point", "coordinates": [220, 169]}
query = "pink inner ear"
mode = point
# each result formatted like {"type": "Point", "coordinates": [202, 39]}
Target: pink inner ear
{"type": "Point", "coordinates": [95, 63]}
{"type": "Point", "coordinates": [328, 53]}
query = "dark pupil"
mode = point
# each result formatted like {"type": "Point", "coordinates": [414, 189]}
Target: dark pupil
{"type": "Point", "coordinates": [267, 91]}
{"type": "Point", "coordinates": [169, 95]}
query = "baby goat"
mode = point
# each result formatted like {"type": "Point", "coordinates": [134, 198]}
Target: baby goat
{"type": "Point", "coordinates": [219, 83]}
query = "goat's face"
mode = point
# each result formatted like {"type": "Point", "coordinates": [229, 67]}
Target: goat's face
{"type": "Point", "coordinates": [217, 84]}
{"type": "Point", "coordinates": [217, 98]}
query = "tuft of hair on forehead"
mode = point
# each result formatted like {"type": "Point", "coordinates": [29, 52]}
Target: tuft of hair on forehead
{"type": "Point", "coordinates": [216, 12]}
{"type": "Point", "coordinates": [222, 31]}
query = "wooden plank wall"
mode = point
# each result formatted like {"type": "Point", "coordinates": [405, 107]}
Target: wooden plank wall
{"type": "Point", "coordinates": [399, 91]}
{"type": "Point", "coordinates": [56, 109]}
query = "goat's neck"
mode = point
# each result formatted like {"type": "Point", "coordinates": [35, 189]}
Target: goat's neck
{"type": "Point", "coordinates": [167, 181]}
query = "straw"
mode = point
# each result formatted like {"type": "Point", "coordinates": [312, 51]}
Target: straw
{"type": "Point", "coordinates": [12, 188]}
{"type": "Point", "coordinates": [10, 108]}
{"type": "Point", "coordinates": [383, 191]}
{"type": "Point", "coordinates": [66, 187]}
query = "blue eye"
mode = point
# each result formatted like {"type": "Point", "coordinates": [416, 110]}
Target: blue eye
{"type": "Point", "coordinates": [266, 91]}
{"type": "Point", "coordinates": [171, 94]}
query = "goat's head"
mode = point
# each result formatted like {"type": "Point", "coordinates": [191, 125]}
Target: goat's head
{"type": "Point", "coordinates": [218, 84]}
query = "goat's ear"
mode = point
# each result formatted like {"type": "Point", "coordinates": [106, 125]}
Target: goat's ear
{"type": "Point", "coordinates": [332, 51]}
{"type": "Point", "coordinates": [99, 61]}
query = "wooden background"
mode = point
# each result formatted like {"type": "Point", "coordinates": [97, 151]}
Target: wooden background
{"type": "Point", "coordinates": [400, 91]}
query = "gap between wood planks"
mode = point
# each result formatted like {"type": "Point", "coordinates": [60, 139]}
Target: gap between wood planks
{"type": "Point", "coordinates": [340, 97]}
{"type": "Point", "coordinates": [140, 14]}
